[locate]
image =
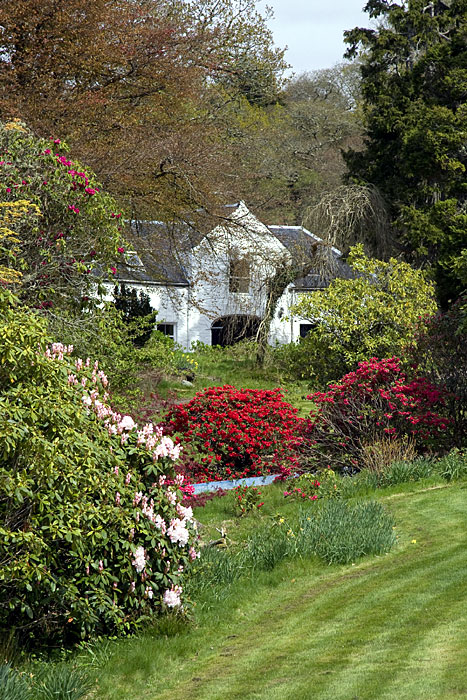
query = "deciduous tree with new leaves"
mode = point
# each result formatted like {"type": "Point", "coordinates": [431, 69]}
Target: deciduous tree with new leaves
{"type": "Point", "coordinates": [376, 314]}
{"type": "Point", "coordinates": [132, 87]}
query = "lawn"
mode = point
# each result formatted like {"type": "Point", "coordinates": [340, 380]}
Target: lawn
{"type": "Point", "coordinates": [235, 366]}
{"type": "Point", "coordinates": [388, 627]}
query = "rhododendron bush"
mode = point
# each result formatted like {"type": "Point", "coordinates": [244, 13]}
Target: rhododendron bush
{"type": "Point", "coordinates": [441, 355]}
{"type": "Point", "coordinates": [93, 539]}
{"type": "Point", "coordinates": [236, 432]}
{"type": "Point", "coordinates": [376, 401]}
{"type": "Point", "coordinates": [74, 229]}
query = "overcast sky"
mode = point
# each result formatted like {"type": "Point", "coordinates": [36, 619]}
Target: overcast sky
{"type": "Point", "coordinates": [313, 29]}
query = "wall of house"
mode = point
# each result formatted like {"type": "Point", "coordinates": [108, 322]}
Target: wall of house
{"type": "Point", "coordinates": [194, 308]}
{"type": "Point", "coordinates": [170, 302]}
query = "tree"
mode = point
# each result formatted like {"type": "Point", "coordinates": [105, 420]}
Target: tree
{"type": "Point", "coordinates": [414, 73]}
{"type": "Point", "coordinates": [58, 223]}
{"type": "Point", "coordinates": [376, 314]}
{"type": "Point", "coordinates": [290, 150]}
{"type": "Point", "coordinates": [133, 88]}
{"type": "Point", "coordinates": [135, 307]}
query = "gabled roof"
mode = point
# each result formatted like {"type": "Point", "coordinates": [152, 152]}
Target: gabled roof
{"type": "Point", "coordinates": [162, 250]}
{"type": "Point", "coordinates": [298, 239]}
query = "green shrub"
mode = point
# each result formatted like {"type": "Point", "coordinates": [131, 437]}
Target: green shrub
{"type": "Point", "coordinates": [453, 465]}
{"type": "Point", "coordinates": [73, 226]}
{"type": "Point", "coordinates": [374, 314]}
{"type": "Point", "coordinates": [91, 536]}
{"type": "Point", "coordinates": [246, 499]}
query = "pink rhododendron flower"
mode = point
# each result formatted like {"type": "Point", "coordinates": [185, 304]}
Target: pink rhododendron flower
{"type": "Point", "coordinates": [178, 533]}
{"type": "Point", "coordinates": [139, 562]}
{"type": "Point", "coordinates": [127, 423]}
{"type": "Point", "coordinates": [172, 597]}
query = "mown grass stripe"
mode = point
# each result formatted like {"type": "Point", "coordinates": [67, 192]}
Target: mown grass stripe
{"type": "Point", "coordinates": [335, 638]}
{"type": "Point", "coordinates": [382, 629]}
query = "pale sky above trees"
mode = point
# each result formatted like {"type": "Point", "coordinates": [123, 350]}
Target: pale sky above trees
{"type": "Point", "coordinates": [313, 29]}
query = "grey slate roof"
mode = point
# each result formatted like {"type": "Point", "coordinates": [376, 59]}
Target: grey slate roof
{"type": "Point", "coordinates": [299, 240]}
{"type": "Point", "coordinates": [166, 267]}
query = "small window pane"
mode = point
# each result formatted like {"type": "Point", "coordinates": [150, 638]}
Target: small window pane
{"type": "Point", "coordinates": [167, 329]}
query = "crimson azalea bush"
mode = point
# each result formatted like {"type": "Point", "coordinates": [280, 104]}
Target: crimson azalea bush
{"type": "Point", "coordinates": [440, 354]}
{"type": "Point", "coordinates": [375, 401]}
{"type": "Point", "coordinates": [93, 540]}
{"type": "Point", "coordinates": [236, 432]}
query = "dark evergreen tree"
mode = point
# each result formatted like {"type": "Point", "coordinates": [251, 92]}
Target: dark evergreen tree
{"type": "Point", "coordinates": [414, 83]}
{"type": "Point", "coordinates": [137, 312]}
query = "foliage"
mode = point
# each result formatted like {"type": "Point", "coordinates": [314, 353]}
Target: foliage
{"type": "Point", "coordinates": [291, 151]}
{"type": "Point", "coordinates": [13, 214]}
{"type": "Point", "coordinates": [237, 432]}
{"type": "Point", "coordinates": [135, 306]}
{"type": "Point", "coordinates": [341, 533]}
{"type": "Point", "coordinates": [133, 371]}
{"type": "Point", "coordinates": [414, 72]}
{"type": "Point", "coordinates": [376, 313]}
{"type": "Point", "coordinates": [376, 401]}
{"type": "Point", "coordinates": [50, 682]}
{"type": "Point", "coordinates": [13, 685]}
{"type": "Point", "coordinates": [138, 89]}
{"type": "Point", "coordinates": [246, 499]}
{"type": "Point", "coordinates": [313, 486]}
{"type": "Point", "coordinates": [453, 465]}
{"type": "Point", "coordinates": [64, 225]}
{"type": "Point", "coordinates": [92, 538]}
{"type": "Point", "coordinates": [440, 354]}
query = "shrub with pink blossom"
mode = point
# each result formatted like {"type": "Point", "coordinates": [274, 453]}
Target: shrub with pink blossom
{"type": "Point", "coordinates": [77, 229]}
{"type": "Point", "coordinates": [376, 401]}
{"type": "Point", "coordinates": [94, 535]}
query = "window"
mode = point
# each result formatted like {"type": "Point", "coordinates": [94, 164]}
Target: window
{"type": "Point", "coordinates": [132, 259]}
{"type": "Point", "coordinates": [305, 328]}
{"type": "Point", "coordinates": [239, 276]}
{"type": "Point", "coordinates": [167, 329]}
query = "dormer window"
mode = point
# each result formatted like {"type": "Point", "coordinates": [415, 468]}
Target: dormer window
{"type": "Point", "coordinates": [132, 259]}
{"type": "Point", "coordinates": [239, 276]}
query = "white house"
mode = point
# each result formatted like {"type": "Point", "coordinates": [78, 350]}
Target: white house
{"type": "Point", "coordinates": [212, 288]}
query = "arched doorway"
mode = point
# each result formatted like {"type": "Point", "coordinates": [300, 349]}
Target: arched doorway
{"type": "Point", "coordinates": [228, 330]}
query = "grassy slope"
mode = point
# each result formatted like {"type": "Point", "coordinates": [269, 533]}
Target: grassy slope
{"type": "Point", "coordinates": [224, 367]}
{"type": "Point", "coordinates": [389, 628]}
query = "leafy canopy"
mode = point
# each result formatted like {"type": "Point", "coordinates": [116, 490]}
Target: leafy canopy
{"type": "Point", "coordinates": [374, 314]}
{"type": "Point", "coordinates": [414, 78]}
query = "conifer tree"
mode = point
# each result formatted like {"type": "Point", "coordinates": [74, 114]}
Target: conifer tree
{"type": "Point", "coordinates": [414, 74]}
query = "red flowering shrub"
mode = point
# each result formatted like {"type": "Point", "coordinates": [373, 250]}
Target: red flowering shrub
{"type": "Point", "coordinates": [236, 432]}
{"type": "Point", "coordinates": [246, 499]}
{"type": "Point", "coordinates": [375, 401]}
{"type": "Point", "coordinates": [440, 354]}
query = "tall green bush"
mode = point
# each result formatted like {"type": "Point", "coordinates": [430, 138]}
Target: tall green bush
{"type": "Point", "coordinates": [376, 314]}
{"type": "Point", "coordinates": [92, 539]}
{"type": "Point", "coordinates": [75, 228]}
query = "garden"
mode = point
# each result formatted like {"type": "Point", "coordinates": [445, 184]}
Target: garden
{"type": "Point", "coordinates": [125, 571]}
